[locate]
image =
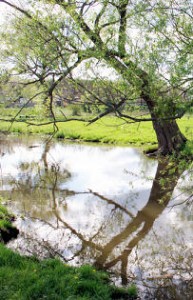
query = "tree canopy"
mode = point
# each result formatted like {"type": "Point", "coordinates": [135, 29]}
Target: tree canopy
{"type": "Point", "coordinates": [146, 45]}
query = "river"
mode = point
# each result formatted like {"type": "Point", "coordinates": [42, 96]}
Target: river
{"type": "Point", "coordinates": [111, 207]}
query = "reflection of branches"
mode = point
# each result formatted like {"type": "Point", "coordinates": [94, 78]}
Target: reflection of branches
{"type": "Point", "coordinates": [46, 245]}
{"type": "Point", "coordinates": [109, 201]}
{"type": "Point", "coordinates": [140, 225]}
{"type": "Point", "coordinates": [79, 235]}
{"type": "Point", "coordinates": [45, 153]}
{"type": "Point", "coordinates": [182, 202]}
{"type": "Point", "coordinates": [144, 218]}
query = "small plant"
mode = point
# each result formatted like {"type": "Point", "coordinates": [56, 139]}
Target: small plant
{"type": "Point", "coordinates": [60, 135]}
{"type": "Point", "coordinates": [17, 130]}
{"type": "Point", "coordinates": [4, 214]}
{"type": "Point", "coordinates": [187, 151]}
{"type": "Point", "coordinates": [7, 231]}
{"type": "Point", "coordinates": [132, 291]}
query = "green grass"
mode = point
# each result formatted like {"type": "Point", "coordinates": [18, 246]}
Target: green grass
{"type": "Point", "coordinates": [107, 130]}
{"type": "Point", "coordinates": [7, 230]}
{"type": "Point", "coordinates": [23, 278]}
{"type": "Point", "coordinates": [187, 151]}
{"type": "Point", "coordinates": [5, 218]}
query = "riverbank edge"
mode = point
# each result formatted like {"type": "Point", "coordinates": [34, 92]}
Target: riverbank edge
{"type": "Point", "coordinates": [24, 277]}
{"type": "Point", "coordinates": [147, 148]}
{"type": "Point", "coordinates": [7, 230]}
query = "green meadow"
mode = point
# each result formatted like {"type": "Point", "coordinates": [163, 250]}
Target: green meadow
{"type": "Point", "coordinates": [109, 129]}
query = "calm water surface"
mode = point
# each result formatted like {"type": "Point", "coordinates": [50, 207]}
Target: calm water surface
{"type": "Point", "coordinates": [107, 206]}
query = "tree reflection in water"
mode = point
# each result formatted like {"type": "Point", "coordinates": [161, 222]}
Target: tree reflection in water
{"type": "Point", "coordinates": [111, 243]}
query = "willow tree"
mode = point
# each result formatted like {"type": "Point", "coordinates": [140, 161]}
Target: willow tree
{"type": "Point", "coordinates": [146, 43]}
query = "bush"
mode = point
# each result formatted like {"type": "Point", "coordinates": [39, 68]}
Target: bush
{"type": "Point", "coordinates": [76, 110]}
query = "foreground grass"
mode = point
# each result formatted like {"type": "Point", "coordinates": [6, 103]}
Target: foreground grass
{"type": "Point", "coordinates": [107, 130]}
{"type": "Point", "coordinates": [25, 278]}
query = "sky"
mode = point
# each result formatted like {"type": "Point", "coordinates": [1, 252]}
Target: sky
{"type": "Point", "coordinates": [3, 12]}
{"type": "Point", "coordinates": [6, 11]}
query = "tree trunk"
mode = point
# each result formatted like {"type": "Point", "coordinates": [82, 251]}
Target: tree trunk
{"type": "Point", "coordinates": [169, 137]}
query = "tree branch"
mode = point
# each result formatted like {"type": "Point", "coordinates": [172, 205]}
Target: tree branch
{"type": "Point", "coordinates": [122, 9]}
{"type": "Point", "coordinates": [78, 19]}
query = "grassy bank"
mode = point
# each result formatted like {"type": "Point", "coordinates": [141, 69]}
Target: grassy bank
{"type": "Point", "coordinates": [25, 278]}
{"type": "Point", "coordinates": [107, 130]}
{"type": "Point", "coordinates": [7, 231]}
{"type": "Point", "coordinates": [5, 218]}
